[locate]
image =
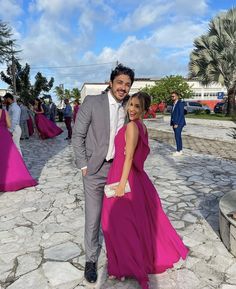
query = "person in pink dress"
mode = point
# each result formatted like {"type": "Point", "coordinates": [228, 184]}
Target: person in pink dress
{"type": "Point", "coordinates": [45, 127]}
{"type": "Point", "coordinates": [75, 109]}
{"type": "Point", "coordinates": [14, 174]}
{"type": "Point", "coordinates": [139, 237]}
{"type": "Point", "coordinates": [30, 121]}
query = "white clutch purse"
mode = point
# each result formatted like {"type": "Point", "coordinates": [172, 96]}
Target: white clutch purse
{"type": "Point", "coordinates": [110, 192]}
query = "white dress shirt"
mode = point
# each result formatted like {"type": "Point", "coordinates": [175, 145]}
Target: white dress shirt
{"type": "Point", "coordinates": [175, 104]}
{"type": "Point", "coordinates": [14, 114]}
{"type": "Point", "coordinates": [117, 117]}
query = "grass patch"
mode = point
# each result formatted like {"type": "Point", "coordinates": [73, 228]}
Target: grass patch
{"type": "Point", "coordinates": [213, 116]}
{"type": "Point", "coordinates": [210, 116]}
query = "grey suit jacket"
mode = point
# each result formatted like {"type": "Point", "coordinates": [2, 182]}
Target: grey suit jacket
{"type": "Point", "coordinates": [52, 110]}
{"type": "Point", "coordinates": [24, 113]}
{"type": "Point", "coordinates": [91, 133]}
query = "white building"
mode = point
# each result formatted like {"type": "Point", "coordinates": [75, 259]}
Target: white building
{"type": "Point", "coordinates": [209, 92]}
{"type": "Point", "coordinates": [200, 92]}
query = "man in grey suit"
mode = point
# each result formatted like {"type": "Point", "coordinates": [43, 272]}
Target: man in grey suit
{"type": "Point", "coordinates": [99, 118]}
{"type": "Point", "coordinates": [24, 116]}
{"type": "Point", "coordinates": [52, 110]}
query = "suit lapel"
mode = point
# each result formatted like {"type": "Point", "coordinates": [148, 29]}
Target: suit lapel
{"type": "Point", "coordinates": [174, 106]}
{"type": "Point", "coordinates": [106, 111]}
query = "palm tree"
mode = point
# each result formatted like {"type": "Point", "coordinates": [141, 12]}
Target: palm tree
{"type": "Point", "coordinates": [59, 90]}
{"type": "Point", "coordinates": [213, 59]}
{"type": "Point", "coordinates": [75, 93]}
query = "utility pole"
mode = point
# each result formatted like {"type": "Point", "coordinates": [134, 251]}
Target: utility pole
{"type": "Point", "coordinates": [13, 71]}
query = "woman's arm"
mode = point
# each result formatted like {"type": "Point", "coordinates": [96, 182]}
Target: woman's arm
{"type": "Point", "coordinates": [131, 135]}
{"type": "Point", "coordinates": [8, 121]}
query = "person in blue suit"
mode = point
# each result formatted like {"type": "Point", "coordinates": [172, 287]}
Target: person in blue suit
{"type": "Point", "coordinates": [177, 121]}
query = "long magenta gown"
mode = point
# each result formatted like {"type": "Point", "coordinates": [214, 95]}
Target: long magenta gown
{"type": "Point", "coordinates": [14, 174]}
{"type": "Point", "coordinates": [139, 237]}
{"type": "Point", "coordinates": [30, 126]}
{"type": "Point", "coordinates": [46, 127]}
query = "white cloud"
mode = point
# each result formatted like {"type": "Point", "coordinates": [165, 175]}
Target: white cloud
{"type": "Point", "coordinates": [177, 35]}
{"type": "Point", "coordinates": [10, 9]}
{"type": "Point", "coordinates": [154, 12]}
{"type": "Point", "coordinates": [140, 55]}
{"type": "Point", "coordinates": [54, 7]}
{"type": "Point", "coordinates": [189, 8]}
{"type": "Point", "coordinates": [145, 15]}
{"type": "Point", "coordinates": [54, 40]}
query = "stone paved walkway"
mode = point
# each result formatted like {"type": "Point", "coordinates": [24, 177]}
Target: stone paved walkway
{"type": "Point", "coordinates": [205, 139]}
{"type": "Point", "coordinates": [41, 228]}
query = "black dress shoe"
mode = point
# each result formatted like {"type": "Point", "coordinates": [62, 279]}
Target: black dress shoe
{"type": "Point", "coordinates": [90, 272]}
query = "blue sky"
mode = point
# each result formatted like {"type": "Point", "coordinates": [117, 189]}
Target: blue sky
{"type": "Point", "coordinates": [83, 39]}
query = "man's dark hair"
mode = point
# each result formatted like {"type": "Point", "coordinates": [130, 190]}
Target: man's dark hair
{"type": "Point", "coordinates": [121, 69]}
{"type": "Point", "coordinates": [9, 95]}
{"type": "Point", "coordinates": [176, 93]}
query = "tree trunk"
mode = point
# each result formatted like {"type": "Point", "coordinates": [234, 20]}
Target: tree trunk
{"type": "Point", "coordinates": [231, 108]}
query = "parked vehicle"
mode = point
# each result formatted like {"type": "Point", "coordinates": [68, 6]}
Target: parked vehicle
{"type": "Point", "coordinates": [169, 108]}
{"type": "Point", "coordinates": [193, 106]}
{"type": "Point", "coordinates": [220, 107]}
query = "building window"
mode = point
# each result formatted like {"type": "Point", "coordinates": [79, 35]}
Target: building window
{"type": "Point", "coordinates": [196, 94]}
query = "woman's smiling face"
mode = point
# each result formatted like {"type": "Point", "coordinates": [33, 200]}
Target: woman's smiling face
{"type": "Point", "coordinates": [134, 109]}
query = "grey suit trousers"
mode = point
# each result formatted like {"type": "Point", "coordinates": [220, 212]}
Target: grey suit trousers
{"type": "Point", "coordinates": [24, 129]}
{"type": "Point", "coordinates": [94, 192]}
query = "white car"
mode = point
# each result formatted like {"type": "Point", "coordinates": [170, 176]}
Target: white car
{"type": "Point", "coordinates": [193, 106]}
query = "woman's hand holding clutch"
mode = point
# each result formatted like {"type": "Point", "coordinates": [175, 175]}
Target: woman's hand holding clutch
{"type": "Point", "coordinates": [116, 189]}
{"type": "Point", "coordinates": [119, 191]}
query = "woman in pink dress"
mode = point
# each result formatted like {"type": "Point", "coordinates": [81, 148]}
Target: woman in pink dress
{"type": "Point", "coordinates": [30, 126]}
{"type": "Point", "coordinates": [30, 121]}
{"type": "Point", "coordinates": [139, 237]}
{"type": "Point", "coordinates": [45, 127]}
{"type": "Point", "coordinates": [75, 109]}
{"type": "Point", "coordinates": [14, 174]}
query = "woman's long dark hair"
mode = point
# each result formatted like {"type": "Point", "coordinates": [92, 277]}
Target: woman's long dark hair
{"type": "Point", "coordinates": [39, 104]}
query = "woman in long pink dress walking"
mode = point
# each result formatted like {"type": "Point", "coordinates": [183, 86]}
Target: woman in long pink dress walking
{"type": "Point", "coordinates": [139, 237]}
{"type": "Point", "coordinates": [45, 127]}
{"type": "Point", "coordinates": [14, 174]}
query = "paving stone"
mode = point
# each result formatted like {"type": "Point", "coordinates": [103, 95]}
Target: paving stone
{"type": "Point", "coordinates": [56, 239]}
{"type": "Point", "coordinates": [62, 252]}
{"type": "Point", "coordinates": [231, 274]}
{"type": "Point", "coordinates": [23, 231]}
{"type": "Point", "coordinates": [186, 278]}
{"type": "Point", "coordinates": [228, 286]}
{"type": "Point", "coordinates": [36, 217]}
{"type": "Point", "coordinates": [189, 218]}
{"type": "Point", "coordinates": [178, 224]}
{"type": "Point", "coordinates": [221, 262]}
{"type": "Point", "coordinates": [34, 279]}
{"type": "Point", "coordinates": [62, 275]}
{"type": "Point", "coordinates": [28, 263]}
{"type": "Point", "coordinates": [5, 269]}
